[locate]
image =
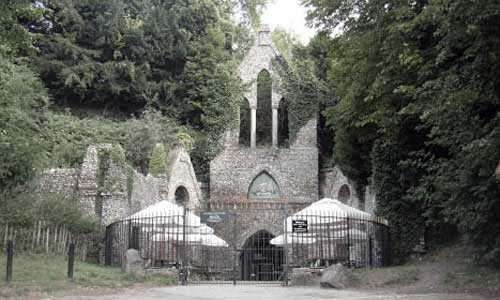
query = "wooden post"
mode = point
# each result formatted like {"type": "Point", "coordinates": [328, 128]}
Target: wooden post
{"type": "Point", "coordinates": [10, 257]}
{"type": "Point", "coordinates": [47, 240]}
{"type": "Point", "coordinates": [71, 260]}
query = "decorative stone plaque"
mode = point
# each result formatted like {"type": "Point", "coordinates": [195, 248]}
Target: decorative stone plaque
{"type": "Point", "coordinates": [264, 187]}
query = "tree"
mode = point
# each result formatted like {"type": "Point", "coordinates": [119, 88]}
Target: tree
{"type": "Point", "coordinates": [418, 80]}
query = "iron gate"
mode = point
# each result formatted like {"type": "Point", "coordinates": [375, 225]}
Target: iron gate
{"type": "Point", "coordinates": [238, 248]}
{"type": "Point", "coordinates": [247, 259]}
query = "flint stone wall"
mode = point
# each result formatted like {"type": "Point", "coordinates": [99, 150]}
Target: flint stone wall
{"type": "Point", "coordinates": [60, 181]}
{"type": "Point", "coordinates": [122, 192]}
{"type": "Point", "coordinates": [294, 170]}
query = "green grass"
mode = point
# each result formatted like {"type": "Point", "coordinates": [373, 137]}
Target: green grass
{"type": "Point", "coordinates": [48, 273]}
{"type": "Point", "coordinates": [474, 278]}
{"type": "Point", "coordinates": [387, 277]}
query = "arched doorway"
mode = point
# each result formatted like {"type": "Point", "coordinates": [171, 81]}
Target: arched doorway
{"type": "Point", "coordinates": [181, 196]}
{"type": "Point", "coordinates": [259, 260]}
{"type": "Point", "coordinates": [344, 194]}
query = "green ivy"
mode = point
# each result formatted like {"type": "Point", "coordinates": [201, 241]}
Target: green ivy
{"type": "Point", "coordinates": [302, 90]}
{"type": "Point", "coordinates": [158, 160]}
{"type": "Point", "coordinates": [117, 154]}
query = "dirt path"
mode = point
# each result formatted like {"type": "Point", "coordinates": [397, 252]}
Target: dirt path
{"type": "Point", "coordinates": [256, 292]}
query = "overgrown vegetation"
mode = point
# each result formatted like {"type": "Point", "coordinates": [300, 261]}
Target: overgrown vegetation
{"type": "Point", "coordinates": [132, 73]}
{"type": "Point", "coordinates": [418, 111]}
{"type": "Point", "coordinates": [158, 161]}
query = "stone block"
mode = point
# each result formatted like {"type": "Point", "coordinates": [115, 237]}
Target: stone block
{"type": "Point", "coordinates": [133, 263]}
{"type": "Point", "coordinates": [337, 277]}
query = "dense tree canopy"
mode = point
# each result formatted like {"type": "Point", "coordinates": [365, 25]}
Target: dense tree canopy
{"type": "Point", "coordinates": [418, 115]}
{"type": "Point", "coordinates": [131, 72]}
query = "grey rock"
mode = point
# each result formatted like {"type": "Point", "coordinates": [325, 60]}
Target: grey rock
{"type": "Point", "coordinates": [133, 262]}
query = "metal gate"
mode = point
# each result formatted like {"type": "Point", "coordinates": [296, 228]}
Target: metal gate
{"type": "Point", "coordinates": [234, 244]}
{"type": "Point", "coordinates": [254, 260]}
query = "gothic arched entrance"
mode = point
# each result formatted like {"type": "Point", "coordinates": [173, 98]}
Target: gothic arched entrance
{"type": "Point", "coordinates": [259, 260]}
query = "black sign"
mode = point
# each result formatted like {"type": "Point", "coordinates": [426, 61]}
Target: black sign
{"type": "Point", "coordinates": [213, 217]}
{"type": "Point", "coordinates": [299, 226]}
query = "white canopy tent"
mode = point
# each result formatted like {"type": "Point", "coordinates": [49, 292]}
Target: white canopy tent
{"type": "Point", "coordinates": [325, 212]}
{"type": "Point", "coordinates": [292, 238]}
{"type": "Point", "coordinates": [165, 212]}
{"type": "Point", "coordinates": [191, 238]}
{"type": "Point", "coordinates": [165, 221]}
{"type": "Point", "coordinates": [328, 211]}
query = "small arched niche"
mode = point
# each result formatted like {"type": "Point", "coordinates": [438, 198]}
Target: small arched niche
{"type": "Point", "coordinates": [344, 194]}
{"type": "Point", "coordinates": [181, 196]}
{"type": "Point", "coordinates": [264, 187]}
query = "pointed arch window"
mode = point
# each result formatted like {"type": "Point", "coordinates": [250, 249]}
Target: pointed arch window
{"type": "Point", "coordinates": [244, 123]}
{"type": "Point", "coordinates": [283, 133]}
{"type": "Point", "coordinates": [264, 187]}
{"type": "Point", "coordinates": [264, 109]}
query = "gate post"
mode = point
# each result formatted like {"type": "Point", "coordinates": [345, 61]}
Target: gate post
{"type": "Point", "coordinates": [71, 260]}
{"type": "Point", "coordinates": [286, 246]}
{"type": "Point", "coordinates": [183, 255]}
{"type": "Point", "coordinates": [234, 266]}
{"type": "Point", "coordinates": [10, 257]}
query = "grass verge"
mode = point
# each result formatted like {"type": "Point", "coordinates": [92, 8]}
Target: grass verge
{"type": "Point", "coordinates": [48, 273]}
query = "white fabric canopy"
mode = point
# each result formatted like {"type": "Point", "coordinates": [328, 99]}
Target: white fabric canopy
{"type": "Point", "coordinates": [191, 238]}
{"type": "Point", "coordinates": [169, 229]}
{"type": "Point", "coordinates": [293, 238]}
{"type": "Point", "coordinates": [164, 212]}
{"type": "Point", "coordinates": [325, 211]}
{"type": "Point", "coordinates": [354, 235]}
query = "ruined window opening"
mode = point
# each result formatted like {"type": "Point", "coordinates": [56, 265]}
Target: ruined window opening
{"type": "Point", "coordinates": [264, 187]}
{"type": "Point", "coordinates": [283, 134]}
{"type": "Point", "coordinates": [264, 109]}
{"type": "Point", "coordinates": [344, 194]}
{"type": "Point", "coordinates": [244, 123]}
{"type": "Point", "coordinates": [181, 196]}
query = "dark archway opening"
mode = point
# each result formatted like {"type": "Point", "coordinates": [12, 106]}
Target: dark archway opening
{"type": "Point", "coordinates": [181, 196]}
{"type": "Point", "coordinates": [264, 109]}
{"type": "Point", "coordinates": [344, 194]}
{"type": "Point", "coordinates": [283, 133]}
{"type": "Point", "coordinates": [244, 123]}
{"type": "Point", "coordinates": [259, 260]}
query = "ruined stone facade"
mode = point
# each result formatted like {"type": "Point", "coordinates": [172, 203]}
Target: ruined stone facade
{"type": "Point", "coordinates": [255, 183]}
{"type": "Point", "coordinates": [111, 190]}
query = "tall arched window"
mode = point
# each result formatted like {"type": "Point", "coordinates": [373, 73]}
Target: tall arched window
{"type": "Point", "coordinates": [264, 187]}
{"type": "Point", "coordinates": [244, 123]}
{"type": "Point", "coordinates": [344, 193]}
{"type": "Point", "coordinates": [181, 196]}
{"type": "Point", "coordinates": [264, 109]}
{"type": "Point", "coordinates": [283, 135]}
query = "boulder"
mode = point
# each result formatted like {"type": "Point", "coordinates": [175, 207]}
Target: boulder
{"type": "Point", "coordinates": [336, 276]}
{"type": "Point", "coordinates": [133, 263]}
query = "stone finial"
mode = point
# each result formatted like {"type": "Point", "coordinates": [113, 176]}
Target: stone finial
{"type": "Point", "coordinates": [264, 35]}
